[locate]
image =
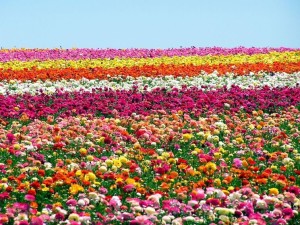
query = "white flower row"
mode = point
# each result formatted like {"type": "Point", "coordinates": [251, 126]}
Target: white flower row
{"type": "Point", "coordinates": [204, 81]}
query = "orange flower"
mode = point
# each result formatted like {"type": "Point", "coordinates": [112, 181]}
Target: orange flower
{"type": "Point", "coordinates": [34, 205]}
{"type": "Point", "coordinates": [173, 175]}
{"type": "Point", "coordinates": [227, 180]}
{"type": "Point", "coordinates": [262, 181]}
{"type": "Point", "coordinates": [182, 189]}
{"type": "Point", "coordinates": [141, 190]}
{"type": "Point", "coordinates": [165, 186]}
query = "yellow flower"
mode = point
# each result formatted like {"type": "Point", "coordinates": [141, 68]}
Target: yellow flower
{"type": "Point", "coordinates": [75, 188]}
{"type": "Point", "coordinates": [226, 192]}
{"type": "Point", "coordinates": [83, 151]}
{"type": "Point", "coordinates": [251, 127]}
{"type": "Point", "coordinates": [17, 146]}
{"type": "Point", "coordinates": [217, 155]}
{"type": "Point", "coordinates": [119, 180]}
{"type": "Point", "coordinates": [130, 181]}
{"type": "Point", "coordinates": [101, 140]}
{"type": "Point", "coordinates": [123, 159]}
{"type": "Point", "coordinates": [165, 155]}
{"type": "Point", "coordinates": [97, 183]}
{"type": "Point", "coordinates": [230, 188]}
{"type": "Point", "coordinates": [187, 136]}
{"type": "Point", "coordinates": [273, 167]}
{"type": "Point", "coordinates": [211, 167]}
{"type": "Point", "coordinates": [78, 173]}
{"type": "Point", "coordinates": [90, 176]}
{"type": "Point", "coordinates": [273, 191]}
{"type": "Point", "coordinates": [217, 182]}
{"type": "Point", "coordinates": [108, 162]}
{"type": "Point", "coordinates": [73, 217]}
{"type": "Point", "coordinates": [90, 158]}
{"type": "Point", "coordinates": [102, 169]}
{"type": "Point", "coordinates": [239, 140]}
{"type": "Point", "coordinates": [44, 188]}
{"type": "Point", "coordinates": [117, 163]}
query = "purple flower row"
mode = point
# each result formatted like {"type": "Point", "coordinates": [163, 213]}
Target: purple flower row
{"type": "Point", "coordinates": [76, 54]}
{"type": "Point", "coordinates": [124, 103]}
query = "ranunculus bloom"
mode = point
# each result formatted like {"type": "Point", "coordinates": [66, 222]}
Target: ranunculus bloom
{"type": "Point", "coordinates": [30, 198]}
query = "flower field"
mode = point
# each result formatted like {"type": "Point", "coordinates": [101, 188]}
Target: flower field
{"type": "Point", "coordinates": [150, 136]}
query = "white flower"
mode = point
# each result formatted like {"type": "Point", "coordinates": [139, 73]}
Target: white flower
{"type": "Point", "coordinates": [150, 211]}
{"type": "Point", "coordinates": [224, 211]}
{"type": "Point", "coordinates": [168, 218]}
{"type": "Point", "coordinates": [189, 218]}
{"type": "Point", "coordinates": [261, 204]}
{"type": "Point", "coordinates": [81, 202]}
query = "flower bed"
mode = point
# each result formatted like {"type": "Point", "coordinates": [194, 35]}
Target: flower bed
{"type": "Point", "coordinates": [137, 136]}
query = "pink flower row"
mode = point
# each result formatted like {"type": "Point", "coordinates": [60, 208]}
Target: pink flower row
{"type": "Point", "coordinates": [76, 54]}
{"type": "Point", "coordinates": [108, 102]}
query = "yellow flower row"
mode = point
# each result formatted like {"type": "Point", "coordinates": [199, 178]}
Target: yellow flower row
{"type": "Point", "coordinates": [272, 57]}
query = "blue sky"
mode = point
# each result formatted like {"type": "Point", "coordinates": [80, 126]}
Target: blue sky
{"type": "Point", "coordinates": [149, 23]}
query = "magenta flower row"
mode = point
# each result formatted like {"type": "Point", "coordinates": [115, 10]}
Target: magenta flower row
{"type": "Point", "coordinates": [124, 103]}
{"type": "Point", "coordinates": [76, 54]}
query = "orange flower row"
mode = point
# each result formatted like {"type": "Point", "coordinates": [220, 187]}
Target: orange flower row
{"type": "Point", "coordinates": [147, 70]}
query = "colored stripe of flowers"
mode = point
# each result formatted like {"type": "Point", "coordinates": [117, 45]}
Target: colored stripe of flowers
{"type": "Point", "coordinates": [205, 82]}
{"type": "Point", "coordinates": [107, 102]}
{"type": "Point", "coordinates": [149, 71]}
{"type": "Point", "coordinates": [77, 54]}
{"type": "Point", "coordinates": [287, 57]}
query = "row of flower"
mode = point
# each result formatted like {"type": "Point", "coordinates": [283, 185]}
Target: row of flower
{"type": "Point", "coordinates": [77, 54]}
{"type": "Point", "coordinates": [270, 58]}
{"type": "Point", "coordinates": [35, 74]}
{"type": "Point", "coordinates": [106, 102]}
{"type": "Point", "coordinates": [232, 168]}
{"type": "Point", "coordinates": [205, 82]}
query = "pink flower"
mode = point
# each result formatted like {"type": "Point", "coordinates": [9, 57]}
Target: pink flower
{"type": "Point", "coordinates": [237, 162]}
{"type": "Point", "coordinates": [115, 202]}
{"type": "Point", "coordinates": [4, 195]}
{"type": "Point", "coordinates": [10, 137]}
{"type": "Point", "coordinates": [20, 206]}
{"type": "Point", "coordinates": [71, 202]}
{"type": "Point", "coordinates": [141, 220]}
{"type": "Point", "coordinates": [30, 198]}
{"type": "Point", "coordinates": [36, 221]}
{"type": "Point", "coordinates": [197, 194]}
{"type": "Point", "coordinates": [128, 188]}
{"type": "Point", "coordinates": [280, 222]}
{"type": "Point", "coordinates": [288, 213]}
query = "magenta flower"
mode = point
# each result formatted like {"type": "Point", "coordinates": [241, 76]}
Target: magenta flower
{"type": "Point", "coordinates": [10, 137]}
{"type": "Point", "coordinates": [237, 162]}
{"type": "Point", "coordinates": [36, 221]}
{"type": "Point", "coordinates": [128, 188]}
{"type": "Point", "coordinates": [197, 194]}
{"type": "Point", "coordinates": [71, 202]}
{"type": "Point", "coordinates": [23, 222]}
{"type": "Point", "coordinates": [4, 195]}
{"type": "Point", "coordinates": [30, 198]}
